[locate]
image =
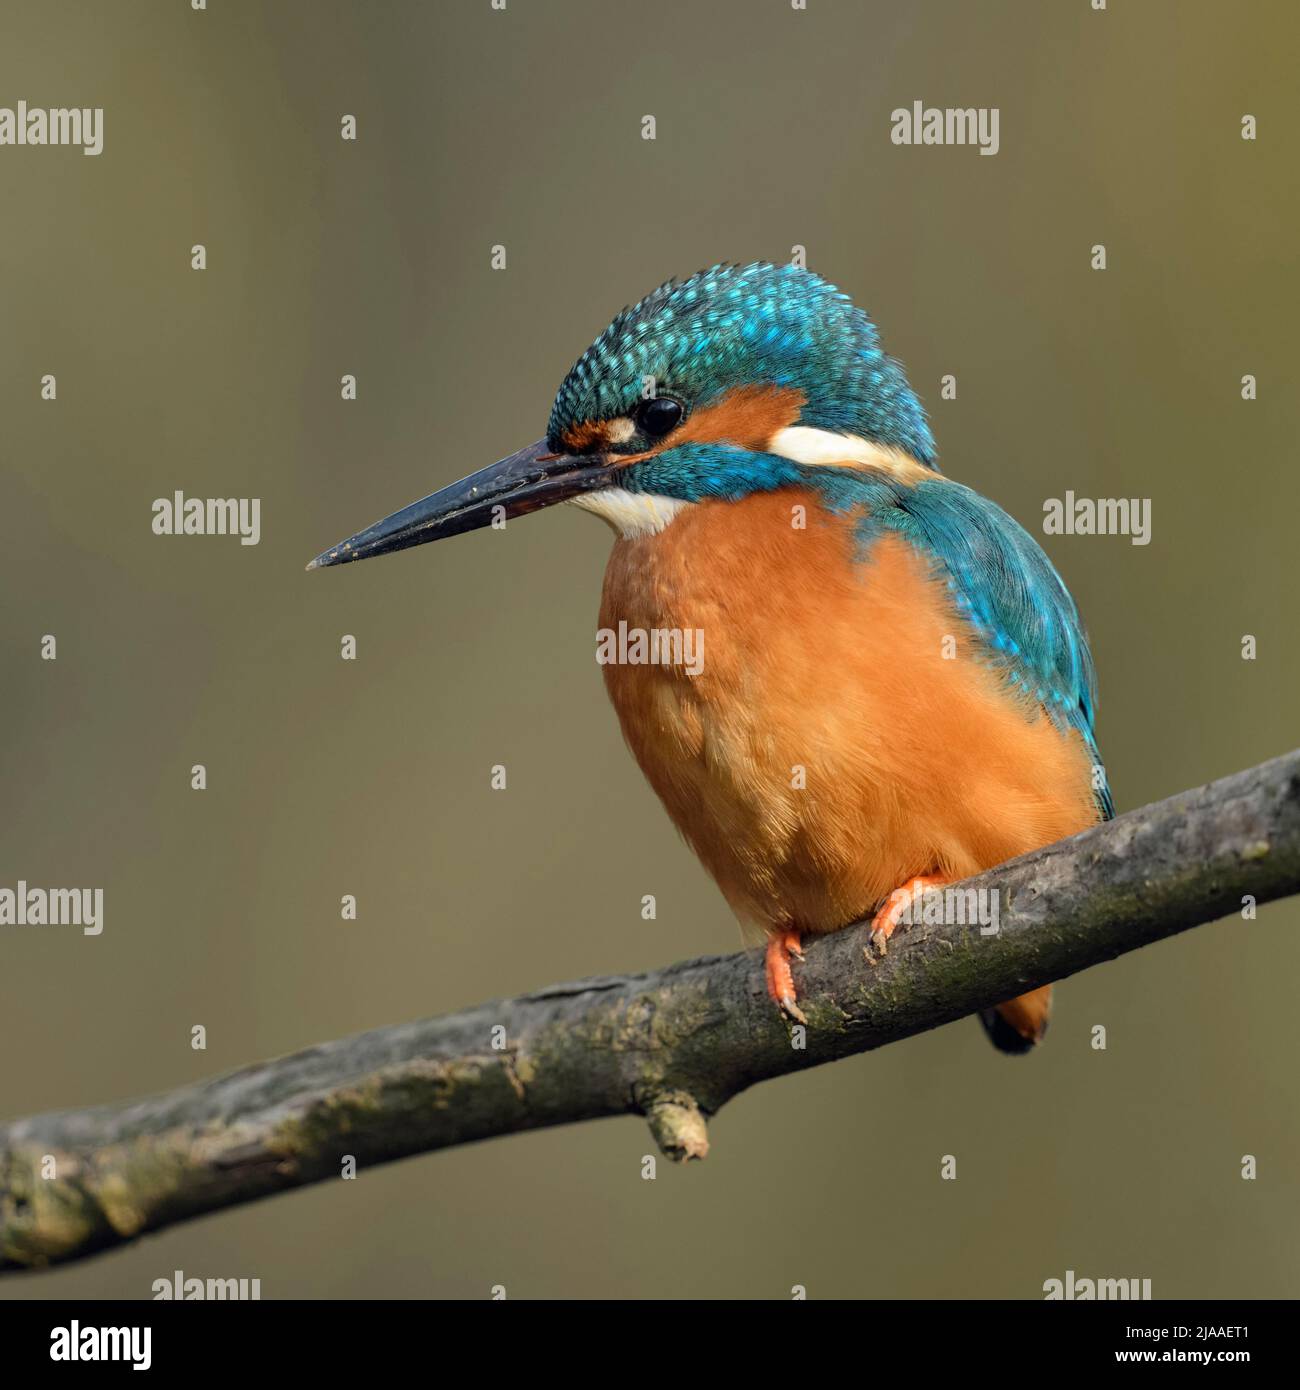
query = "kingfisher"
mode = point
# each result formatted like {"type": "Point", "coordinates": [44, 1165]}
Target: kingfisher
{"type": "Point", "coordinates": [896, 691]}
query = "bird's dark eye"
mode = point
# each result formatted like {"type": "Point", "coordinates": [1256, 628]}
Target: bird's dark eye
{"type": "Point", "coordinates": [657, 417]}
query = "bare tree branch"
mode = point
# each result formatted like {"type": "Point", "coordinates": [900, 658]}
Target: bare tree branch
{"type": "Point", "coordinates": [673, 1045]}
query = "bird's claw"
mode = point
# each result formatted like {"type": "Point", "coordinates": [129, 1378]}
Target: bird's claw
{"type": "Point", "coordinates": [791, 1009]}
{"type": "Point", "coordinates": [780, 982]}
{"type": "Point", "coordinates": [897, 905]}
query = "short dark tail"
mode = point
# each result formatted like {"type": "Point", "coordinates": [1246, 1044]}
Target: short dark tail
{"type": "Point", "coordinates": [1019, 1024]}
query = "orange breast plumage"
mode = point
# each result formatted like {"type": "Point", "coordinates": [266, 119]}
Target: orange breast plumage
{"type": "Point", "coordinates": [842, 732]}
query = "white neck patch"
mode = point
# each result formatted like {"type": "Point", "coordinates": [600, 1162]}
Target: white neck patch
{"type": "Point", "coordinates": [804, 444]}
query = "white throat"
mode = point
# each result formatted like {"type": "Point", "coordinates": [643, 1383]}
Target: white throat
{"type": "Point", "coordinates": [630, 513]}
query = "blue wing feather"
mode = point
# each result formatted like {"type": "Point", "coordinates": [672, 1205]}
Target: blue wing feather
{"type": "Point", "coordinates": [997, 573]}
{"type": "Point", "coordinates": [1001, 581]}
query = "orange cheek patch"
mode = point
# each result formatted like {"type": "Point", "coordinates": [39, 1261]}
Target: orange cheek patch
{"type": "Point", "coordinates": [748, 417]}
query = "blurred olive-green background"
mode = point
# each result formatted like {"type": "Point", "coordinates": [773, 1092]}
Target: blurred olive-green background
{"type": "Point", "coordinates": [523, 128]}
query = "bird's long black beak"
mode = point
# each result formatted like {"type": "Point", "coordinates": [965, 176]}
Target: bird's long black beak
{"type": "Point", "coordinates": [525, 482]}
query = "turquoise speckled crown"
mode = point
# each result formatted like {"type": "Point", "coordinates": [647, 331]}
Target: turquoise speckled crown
{"type": "Point", "coordinates": [757, 324]}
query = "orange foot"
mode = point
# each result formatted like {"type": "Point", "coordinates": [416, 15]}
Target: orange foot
{"type": "Point", "coordinates": [780, 982]}
{"type": "Point", "coordinates": [899, 902]}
